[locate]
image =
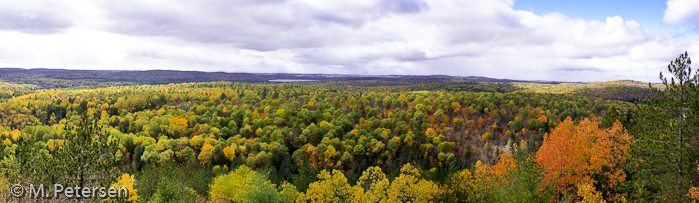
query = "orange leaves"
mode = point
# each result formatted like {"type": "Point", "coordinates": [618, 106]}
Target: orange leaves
{"type": "Point", "coordinates": [693, 193]}
{"type": "Point", "coordinates": [572, 154]}
{"type": "Point", "coordinates": [506, 163]}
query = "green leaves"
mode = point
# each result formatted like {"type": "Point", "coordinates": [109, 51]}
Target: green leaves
{"type": "Point", "coordinates": [668, 134]}
{"type": "Point", "coordinates": [87, 157]}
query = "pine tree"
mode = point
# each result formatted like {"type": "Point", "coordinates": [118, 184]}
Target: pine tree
{"type": "Point", "coordinates": [666, 145]}
{"type": "Point", "coordinates": [87, 157]}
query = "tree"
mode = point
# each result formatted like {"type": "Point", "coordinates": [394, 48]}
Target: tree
{"type": "Point", "coordinates": [331, 188]}
{"type": "Point", "coordinates": [518, 179]}
{"type": "Point", "coordinates": [407, 187]}
{"type": "Point", "coordinates": [207, 153]}
{"type": "Point", "coordinates": [246, 185]}
{"type": "Point", "coordinates": [667, 135]}
{"type": "Point", "coordinates": [73, 166]}
{"type": "Point", "coordinates": [127, 181]}
{"type": "Point", "coordinates": [693, 193]}
{"type": "Point", "coordinates": [574, 154]}
{"type": "Point", "coordinates": [372, 186]}
{"type": "Point", "coordinates": [462, 187]}
{"type": "Point", "coordinates": [229, 152]}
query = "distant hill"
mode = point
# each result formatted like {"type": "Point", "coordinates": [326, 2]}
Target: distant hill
{"type": "Point", "coordinates": [59, 78]}
{"type": "Point", "coordinates": [94, 77]}
{"type": "Point", "coordinates": [625, 90]}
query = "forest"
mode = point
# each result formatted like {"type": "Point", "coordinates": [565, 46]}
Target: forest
{"type": "Point", "coordinates": [364, 140]}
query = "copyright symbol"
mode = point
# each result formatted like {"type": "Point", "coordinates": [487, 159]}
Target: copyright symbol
{"type": "Point", "coordinates": [17, 190]}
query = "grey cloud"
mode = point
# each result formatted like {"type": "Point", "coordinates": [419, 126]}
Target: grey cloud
{"type": "Point", "coordinates": [262, 26]}
{"type": "Point", "coordinates": [383, 8]}
{"type": "Point", "coordinates": [454, 37]}
{"type": "Point", "coordinates": [579, 70]}
{"type": "Point", "coordinates": [33, 21]}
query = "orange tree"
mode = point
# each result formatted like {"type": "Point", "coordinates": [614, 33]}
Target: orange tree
{"type": "Point", "coordinates": [573, 155]}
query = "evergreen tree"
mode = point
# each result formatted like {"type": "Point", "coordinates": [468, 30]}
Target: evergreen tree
{"type": "Point", "coordinates": [88, 156]}
{"type": "Point", "coordinates": [666, 144]}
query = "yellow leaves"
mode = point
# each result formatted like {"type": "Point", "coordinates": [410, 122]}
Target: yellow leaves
{"type": "Point", "coordinates": [8, 143]}
{"type": "Point", "coordinates": [14, 134]}
{"type": "Point", "coordinates": [210, 141]}
{"type": "Point", "coordinates": [463, 186]}
{"type": "Point", "coordinates": [4, 187]}
{"type": "Point", "coordinates": [385, 134]}
{"type": "Point", "coordinates": [229, 153]}
{"type": "Point", "coordinates": [330, 155]}
{"type": "Point", "coordinates": [127, 181]}
{"type": "Point", "coordinates": [402, 97]}
{"type": "Point", "coordinates": [227, 187]}
{"type": "Point", "coordinates": [487, 136]}
{"type": "Point", "coordinates": [266, 110]}
{"type": "Point", "coordinates": [372, 186]}
{"type": "Point", "coordinates": [178, 122]}
{"type": "Point", "coordinates": [587, 192]}
{"type": "Point", "coordinates": [331, 188]}
{"type": "Point", "coordinates": [206, 154]}
{"type": "Point", "coordinates": [430, 132]}
{"type": "Point", "coordinates": [457, 122]}
{"type": "Point", "coordinates": [254, 116]}
{"type": "Point", "coordinates": [196, 141]}
{"type": "Point", "coordinates": [407, 187]}
{"type": "Point", "coordinates": [281, 113]}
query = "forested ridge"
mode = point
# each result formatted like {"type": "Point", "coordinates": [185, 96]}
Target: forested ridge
{"type": "Point", "coordinates": [354, 141]}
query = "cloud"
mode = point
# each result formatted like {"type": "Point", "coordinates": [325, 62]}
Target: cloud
{"type": "Point", "coordinates": [460, 37]}
{"type": "Point", "coordinates": [682, 11]}
{"type": "Point", "coordinates": [257, 25]}
{"type": "Point", "coordinates": [34, 17]}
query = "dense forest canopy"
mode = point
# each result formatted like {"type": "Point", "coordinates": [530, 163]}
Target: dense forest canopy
{"type": "Point", "coordinates": [369, 140]}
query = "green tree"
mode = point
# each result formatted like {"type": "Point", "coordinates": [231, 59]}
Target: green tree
{"type": "Point", "coordinates": [87, 157]}
{"type": "Point", "coordinates": [667, 134]}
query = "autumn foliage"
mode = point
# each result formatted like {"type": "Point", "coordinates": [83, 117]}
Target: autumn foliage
{"type": "Point", "coordinates": [573, 154]}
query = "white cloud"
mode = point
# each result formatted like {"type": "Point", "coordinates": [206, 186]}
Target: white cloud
{"type": "Point", "coordinates": [682, 11]}
{"type": "Point", "coordinates": [460, 37]}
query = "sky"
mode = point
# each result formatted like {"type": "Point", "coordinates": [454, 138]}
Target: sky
{"type": "Point", "coordinates": [564, 40]}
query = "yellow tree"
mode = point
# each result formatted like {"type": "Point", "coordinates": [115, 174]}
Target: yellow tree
{"type": "Point", "coordinates": [407, 187]}
{"type": "Point", "coordinates": [127, 181]}
{"type": "Point", "coordinates": [462, 187]}
{"type": "Point", "coordinates": [372, 186]}
{"type": "Point", "coordinates": [206, 154]}
{"type": "Point", "coordinates": [330, 154]}
{"type": "Point", "coordinates": [227, 187]}
{"type": "Point", "coordinates": [229, 152]}
{"type": "Point", "coordinates": [331, 188]}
